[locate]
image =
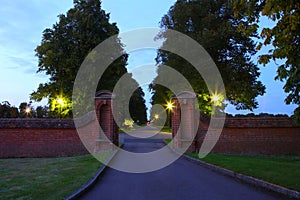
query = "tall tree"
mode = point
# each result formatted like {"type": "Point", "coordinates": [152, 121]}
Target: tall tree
{"type": "Point", "coordinates": [130, 106]}
{"type": "Point", "coordinates": [137, 107]}
{"type": "Point", "coordinates": [65, 46]}
{"type": "Point", "coordinates": [212, 24]}
{"type": "Point", "coordinates": [284, 39]}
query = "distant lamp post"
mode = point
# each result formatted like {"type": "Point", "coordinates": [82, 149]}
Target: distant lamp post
{"type": "Point", "coordinates": [169, 108]}
{"type": "Point", "coordinates": [27, 111]}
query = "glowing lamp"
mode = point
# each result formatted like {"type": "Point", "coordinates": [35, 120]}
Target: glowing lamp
{"type": "Point", "coordinates": [27, 110]}
{"type": "Point", "coordinates": [215, 98]}
{"type": "Point", "coordinates": [169, 106]}
{"type": "Point", "coordinates": [60, 101]}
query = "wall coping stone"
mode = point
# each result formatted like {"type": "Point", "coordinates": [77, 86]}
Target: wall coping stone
{"type": "Point", "coordinates": [36, 123]}
{"type": "Point", "coordinates": [253, 122]}
{"type": "Point", "coordinates": [46, 123]}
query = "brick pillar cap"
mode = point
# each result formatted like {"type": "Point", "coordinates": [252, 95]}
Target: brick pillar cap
{"type": "Point", "coordinates": [105, 94]}
{"type": "Point", "coordinates": [185, 95]}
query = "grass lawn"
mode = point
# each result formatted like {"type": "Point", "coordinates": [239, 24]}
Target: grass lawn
{"type": "Point", "coordinates": [164, 129]}
{"type": "Point", "coordinates": [45, 178]}
{"type": "Point", "coordinates": [126, 130]}
{"type": "Point", "coordinates": [168, 140]}
{"type": "Point", "coordinates": [281, 170]}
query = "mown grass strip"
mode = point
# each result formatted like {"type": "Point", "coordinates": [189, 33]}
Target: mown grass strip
{"type": "Point", "coordinates": [280, 170]}
{"type": "Point", "coordinates": [166, 129]}
{"type": "Point", "coordinates": [45, 178]}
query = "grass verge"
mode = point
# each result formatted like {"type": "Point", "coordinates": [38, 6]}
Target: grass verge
{"type": "Point", "coordinates": [166, 129]}
{"type": "Point", "coordinates": [45, 178]}
{"type": "Point", "coordinates": [168, 140]}
{"type": "Point", "coordinates": [280, 170]}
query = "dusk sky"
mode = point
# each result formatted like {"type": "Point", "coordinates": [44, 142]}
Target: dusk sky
{"type": "Point", "coordinates": [22, 24]}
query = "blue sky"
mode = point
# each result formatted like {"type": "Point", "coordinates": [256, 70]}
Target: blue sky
{"type": "Point", "coordinates": [22, 24]}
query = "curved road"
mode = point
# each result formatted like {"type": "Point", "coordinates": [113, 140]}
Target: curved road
{"type": "Point", "coordinates": [181, 180]}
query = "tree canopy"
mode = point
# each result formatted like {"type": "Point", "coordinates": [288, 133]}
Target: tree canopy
{"type": "Point", "coordinates": [65, 46]}
{"type": "Point", "coordinates": [283, 39]}
{"type": "Point", "coordinates": [213, 25]}
{"type": "Point", "coordinates": [137, 107]}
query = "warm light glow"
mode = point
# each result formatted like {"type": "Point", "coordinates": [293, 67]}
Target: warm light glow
{"type": "Point", "coordinates": [156, 116]}
{"type": "Point", "coordinates": [60, 101]}
{"type": "Point", "coordinates": [170, 106]}
{"type": "Point", "coordinates": [215, 98]}
{"type": "Point", "coordinates": [60, 105]}
{"type": "Point", "coordinates": [27, 110]}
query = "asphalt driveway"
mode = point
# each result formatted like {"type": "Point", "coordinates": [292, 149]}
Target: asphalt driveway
{"type": "Point", "coordinates": [180, 180]}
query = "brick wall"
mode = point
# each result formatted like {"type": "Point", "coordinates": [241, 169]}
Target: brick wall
{"type": "Point", "coordinates": [39, 138]}
{"type": "Point", "coordinates": [255, 136]}
{"type": "Point", "coordinates": [59, 137]}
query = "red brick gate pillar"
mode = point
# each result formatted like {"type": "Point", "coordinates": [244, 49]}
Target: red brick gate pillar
{"type": "Point", "coordinates": [183, 121]}
{"type": "Point", "coordinates": [105, 106]}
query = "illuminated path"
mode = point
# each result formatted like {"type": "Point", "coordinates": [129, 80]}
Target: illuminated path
{"type": "Point", "coordinates": [180, 180]}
